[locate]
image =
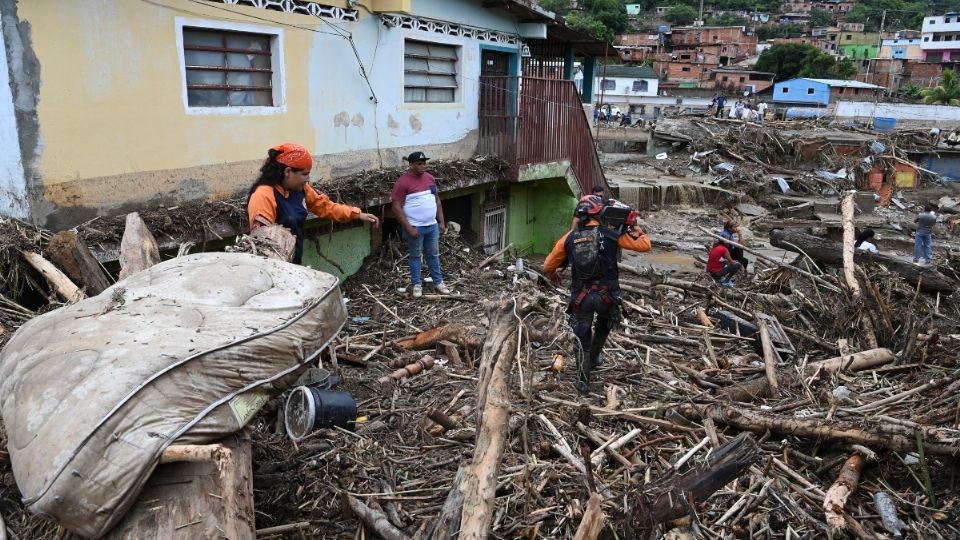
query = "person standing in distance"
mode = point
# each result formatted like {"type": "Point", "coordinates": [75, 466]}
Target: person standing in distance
{"type": "Point", "coordinates": [416, 205]}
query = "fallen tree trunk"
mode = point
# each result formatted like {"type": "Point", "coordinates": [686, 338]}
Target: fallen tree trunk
{"type": "Point", "coordinates": [849, 268]}
{"type": "Point", "coordinates": [592, 522]}
{"type": "Point", "coordinates": [461, 334]}
{"type": "Point", "coordinates": [851, 363]}
{"type": "Point", "coordinates": [68, 252]}
{"type": "Point", "coordinates": [138, 247]}
{"type": "Point", "coordinates": [493, 406]}
{"type": "Point", "coordinates": [830, 253]}
{"type": "Point", "coordinates": [841, 490]}
{"type": "Point", "coordinates": [885, 435]}
{"type": "Point", "coordinates": [667, 498]}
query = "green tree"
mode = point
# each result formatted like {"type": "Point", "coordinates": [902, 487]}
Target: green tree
{"type": "Point", "coordinates": [792, 60]}
{"type": "Point", "coordinates": [560, 7]}
{"type": "Point", "coordinates": [820, 17]}
{"type": "Point", "coordinates": [612, 13]}
{"type": "Point", "coordinates": [589, 24]}
{"type": "Point", "coordinates": [784, 61]}
{"type": "Point", "coordinates": [911, 92]}
{"type": "Point", "coordinates": [727, 19]}
{"type": "Point", "coordinates": [680, 14]}
{"type": "Point", "coordinates": [945, 93]}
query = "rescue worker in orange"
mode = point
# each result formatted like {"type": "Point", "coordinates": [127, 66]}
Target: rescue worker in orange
{"type": "Point", "coordinates": [591, 250]}
{"type": "Point", "coordinates": [283, 195]}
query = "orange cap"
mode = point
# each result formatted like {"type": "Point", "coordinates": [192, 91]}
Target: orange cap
{"type": "Point", "coordinates": [295, 156]}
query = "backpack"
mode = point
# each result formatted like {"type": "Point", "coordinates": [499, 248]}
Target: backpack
{"type": "Point", "coordinates": [585, 253]}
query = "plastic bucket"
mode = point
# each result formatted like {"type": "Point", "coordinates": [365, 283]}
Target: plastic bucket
{"type": "Point", "coordinates": [308, 409]}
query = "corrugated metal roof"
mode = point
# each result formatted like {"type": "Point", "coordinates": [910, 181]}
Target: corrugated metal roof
{"type": "Point", "coordinates": [842, 84]}
{"type": "Point", "coordinates": [627, 72]}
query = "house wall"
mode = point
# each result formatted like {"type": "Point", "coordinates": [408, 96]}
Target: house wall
{"type": "Point", "coordinates": [859, 52]}
{"type": "Point", "coordinates": [624, 87]}
{"type": "Point", "coordinates": [339, 252]}
{"type": "Point", "coordinates": [539, 214]}
{"type": "Point", "coordinates": [905, 113]}
{"type": "Point", "coordinates": [801, 91]}
{"type": "Point", "coordinates": [112, 131]}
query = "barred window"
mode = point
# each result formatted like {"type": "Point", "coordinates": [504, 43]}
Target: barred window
{"type": "Point", "coordinates": [608, 84]}
{"type": "Point", "coordinates": [640, 86]}
{"type": "Point", "coordinates": [429, 72]}
{"type": "Point", "coordinates": [227, 69]}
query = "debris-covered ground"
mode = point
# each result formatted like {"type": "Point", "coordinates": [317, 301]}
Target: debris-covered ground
{"type": "Point", "coordinates": [678, 382]}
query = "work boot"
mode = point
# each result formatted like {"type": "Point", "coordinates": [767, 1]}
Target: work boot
{"type": "Point", "coordinates": [417, 290]}
{"type": "Point", "coordinates": [442, 288]}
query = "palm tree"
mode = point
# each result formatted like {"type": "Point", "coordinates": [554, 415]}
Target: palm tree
{"type": "Point", "coordinates": [946, 93]}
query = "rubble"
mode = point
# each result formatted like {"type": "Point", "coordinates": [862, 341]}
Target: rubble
{"type": "Point", "coordinates": [696, 380]}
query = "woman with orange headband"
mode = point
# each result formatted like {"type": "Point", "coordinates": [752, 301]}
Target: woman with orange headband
{"type": "Point", "coordinates": [283, 195]}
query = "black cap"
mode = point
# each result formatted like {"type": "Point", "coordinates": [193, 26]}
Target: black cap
{"type": "Point", "coordinates": [417, 156]}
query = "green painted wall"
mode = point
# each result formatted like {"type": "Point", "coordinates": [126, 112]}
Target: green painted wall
{"type": "Point", "coordinates": [859, 52]}
{"type": "Point", "coordinates": [342, 251]}
{"type": "Point", "coordinates": [539, 213]}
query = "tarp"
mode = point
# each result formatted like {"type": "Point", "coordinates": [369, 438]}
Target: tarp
{"type": "Point", "coordinates": [186, 351]}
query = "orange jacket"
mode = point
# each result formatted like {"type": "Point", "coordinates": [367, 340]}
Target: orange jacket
{"type": "Point", "coordinates": [263, 205]}
{"type": "Point", "coordinates": [556, 257]}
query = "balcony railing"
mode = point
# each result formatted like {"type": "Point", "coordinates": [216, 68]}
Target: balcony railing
{"type": "Point", "coordinates": [533, 120]}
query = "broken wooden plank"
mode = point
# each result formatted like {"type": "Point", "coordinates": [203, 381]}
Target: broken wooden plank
{"type": "Point", "coordinates": [138, 247]}
{"type": "Point", "coordinates": [68, 251]}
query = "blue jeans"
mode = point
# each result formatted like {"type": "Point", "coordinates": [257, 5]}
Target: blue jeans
{"type": "Point", "coordinates": [922, 245]}
{"type": "Point", "coordinates": [430, 238]}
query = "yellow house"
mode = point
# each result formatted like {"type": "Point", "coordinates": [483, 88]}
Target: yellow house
{"type": "Point", "coordinates": [108, 106]}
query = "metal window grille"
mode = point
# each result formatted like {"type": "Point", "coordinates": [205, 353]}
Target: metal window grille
{"type": "Point", "coordinates": [429, 72]}
{"type": "Point", "coordinates": [227, 69]}
{"type": "Point", "coordinates": [640, 86]}
{"type": "Point", "coordinates": [494, 229]}
{"type": "Point", "coordinates": [608, 84]}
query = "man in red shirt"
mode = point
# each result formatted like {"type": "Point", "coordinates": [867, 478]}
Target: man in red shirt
{"type": "Point", "coordinates": [720, 264]}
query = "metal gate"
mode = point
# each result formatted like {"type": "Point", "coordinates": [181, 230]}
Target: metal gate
{"type": "Point", "coordinates": [494, 229]}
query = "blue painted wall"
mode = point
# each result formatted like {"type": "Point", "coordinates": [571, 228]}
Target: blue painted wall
{"type": "Point", "coordinates": [947, 164]}
{"type": "Point", "coordinates": [801, 91]}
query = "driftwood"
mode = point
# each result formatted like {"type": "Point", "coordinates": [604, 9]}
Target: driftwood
{"type": "Point", "coordinates": [758, 387]}
{"type": "Point", "coordinates": [849, 268]}
{"type": "Point", "coordinates": [414, 368]}
{"type": "Point", "coordinates": [375, 521]}
{"type": "Point", "coordinates": [272, 241]}
{"type": "Point", "coordinates": [770, 357]}
{"type": "Point", "coordinates": [592, 521]}
{"type": "Point", "coordinates": [138, 247]}
{"type": "Point", "coordinates": [461, 334]}
{"type": "Point", "coordinates": [892, 436]}
{"type": "Point", "coordinates": [493, 406]}
{"type": "Point", "coordinates": [841, 490]}
{"type": "Point", "coordinates": [65, 288]}
{"type": "Point", "coordinates": [830, 253]}
{"type": "Point", "coordinates": [448, 522]}
{"type": "Point", "coordinates": [67, 251]}
{"type": "Point", "coordinates": [199, 491]}
{"type": "Point", "coordinates": [668, 497]}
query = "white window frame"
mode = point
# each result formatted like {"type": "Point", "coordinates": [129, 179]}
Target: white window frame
{"type": "Point", "coordinates": [276, 64]}
{"type": "Point", "coordinates": [462, 50]}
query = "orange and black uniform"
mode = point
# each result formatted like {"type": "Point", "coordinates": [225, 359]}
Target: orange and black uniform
{"type": "Point", "coordinates": [598, 296]}
{"type": "Point", "coordinates": [273, 204]}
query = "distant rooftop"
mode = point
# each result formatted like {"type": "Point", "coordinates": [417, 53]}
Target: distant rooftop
{"type": "Point", "coordinates": [843, 84]}
{"type": "Point", "coordinates": [627, 72]}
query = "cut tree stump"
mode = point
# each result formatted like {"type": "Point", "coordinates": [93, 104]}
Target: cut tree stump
{"type": "Point", "coordinates": [138, 247]}
{"type": "Point", "coordinates": [67, 251]}
{"type": "Point", "coordinates": [210, 495]}
{"type": "Point", "coordinates": [831, 253]}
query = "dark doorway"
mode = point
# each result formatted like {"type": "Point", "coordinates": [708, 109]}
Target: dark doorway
{"type": "Point", "coordinates": [494, 63]}
{"type": "Point", "coordinates": [459, 209]}
{"type": "Point", "coordinates": [497, 107]}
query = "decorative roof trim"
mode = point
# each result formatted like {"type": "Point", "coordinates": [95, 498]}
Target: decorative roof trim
{"type": "Point", "coordinates": [447, 28]}
{"type": "Point", "coordinates": [299, 6]}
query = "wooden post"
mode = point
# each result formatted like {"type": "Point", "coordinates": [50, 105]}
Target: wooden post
{"type": "Point", "coordinates": [209, 495]}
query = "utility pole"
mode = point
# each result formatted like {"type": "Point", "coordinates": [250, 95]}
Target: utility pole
{"type": "Point", "coordinates": [876, 101]}
{"type": "Point", "coordinates": [883, 20]}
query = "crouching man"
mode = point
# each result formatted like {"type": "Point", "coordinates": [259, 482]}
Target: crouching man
{"type": "Point", "coordinates": [591, 250]}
